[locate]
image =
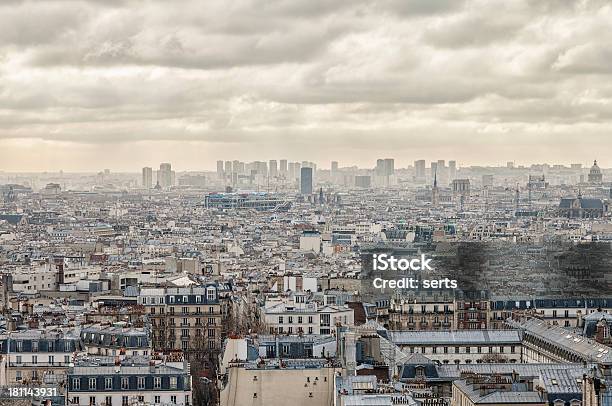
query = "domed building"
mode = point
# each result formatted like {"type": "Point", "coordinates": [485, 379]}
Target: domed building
{"type": "Point", "coordinates": [580, 207]}
{"type": "Point", "coordinates": [595, 175]}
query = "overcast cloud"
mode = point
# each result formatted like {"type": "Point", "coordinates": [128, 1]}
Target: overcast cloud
{"type": "Point", "coordinates": [86, 85]}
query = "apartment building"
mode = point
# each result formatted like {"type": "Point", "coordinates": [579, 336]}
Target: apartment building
{"type": "Point", "coordinates": [135, 380]}
{"type": "Point", "coordinates": [298, 314]}
{"type": "Point", "coordinates": [185, 318]}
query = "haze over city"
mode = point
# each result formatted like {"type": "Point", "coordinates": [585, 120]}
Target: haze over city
{"type": "Point", "coordinates": [86, 85]}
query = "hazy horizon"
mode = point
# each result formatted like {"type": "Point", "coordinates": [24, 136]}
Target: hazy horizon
{"type": "Point", "coordinates": [89, 84]}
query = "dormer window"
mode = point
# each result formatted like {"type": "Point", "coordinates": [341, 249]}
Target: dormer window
{"type": "Point", "coordinates": [211, 293]}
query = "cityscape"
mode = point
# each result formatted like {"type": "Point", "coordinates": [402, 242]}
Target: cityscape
{"type": "Point", "coordinates": [305, 203]}
{"type": "Point", "coordinates": [250, 284]}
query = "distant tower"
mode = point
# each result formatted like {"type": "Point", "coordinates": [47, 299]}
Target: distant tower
{"type": "Point", "coordinates": [434, 191]}
{"type": "Point", "coordinates": [147, 177]}
{"type": "Point", "coordinates": [517, 197]}
{"type": "Point", "coordinates": [321, 199]}
{"type": "Point", "coordinates": [306, 181]}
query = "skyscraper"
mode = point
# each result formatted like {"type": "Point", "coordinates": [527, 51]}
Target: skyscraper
{"type": "Point", "coordinates": [334, 167]}
{"type": "Point", "coordinates": [220, 169]}
{"type": "Point", "coordinates": [147, 177]}
{"type": "Point", "coordinates": [452, 170]}
{"type": "Point", "coordinates": [306, 181]}
{"type": "Point", "coordinates": [164, 176]}
{"type": "Point", "coordinates": [228, 168]}
{"type": "Point", "coordinates": [273, 168]}
{"type": "Point", "coordinates": [283, 166]}
{"type": "Point", "coordinates": [419, 169]}
{"type": "Point", "coordinates": [385, 167]}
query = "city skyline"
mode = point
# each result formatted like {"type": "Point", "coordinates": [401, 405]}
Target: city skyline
{"type": "Point", "coordinates": [97, 84]}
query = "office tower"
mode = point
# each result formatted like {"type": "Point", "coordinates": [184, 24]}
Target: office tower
{"type": "Point", "coordinates": [273, 168]}
{"type": "Point", "coordinates": [147, 177]}
{"type": "Point", "coordinates": [385, 167]}
{"type": "Point", "coordinates": [261, 168]}
{"type": "Point", "coordinates": [363, 181]}
{"type": "Point", "coordinates": [434, 169]}
{"type": "Point", "coordinates": [306, 181]}
{"type": "Point", "coordinates": [298, 167]}
{"type": "Point", "coordinates": [452, 170]}
{"type": "Point", "coordinates": [220, 169]}
{"type": "Point", "coordinates": [291, 170]}
{"type": "Point", "coordinates": [283, 166]}
{"type": "Point", "coordinates": [442, 172]}
{"type": "Point", "coordinates": [164, 175]}
{"type": "Point", "coordinates": [228, 168]}
{"type": "Point", "coordinates": [510, 165]}
{"type": "Point", "coordinates": [334, 167]}
{"type": "Point", "coordinates": [419, 169]}
{"type": "Point", "coordinates": [389, 166]}
{"type": "Point", "coordinates": [236, 166]}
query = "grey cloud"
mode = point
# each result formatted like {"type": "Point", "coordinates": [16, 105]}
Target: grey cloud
{"type": "Point", "coordinates": [291, 71]}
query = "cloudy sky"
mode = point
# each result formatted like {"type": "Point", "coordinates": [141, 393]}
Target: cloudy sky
{"type": "Point", "coordinates": [93, 84]}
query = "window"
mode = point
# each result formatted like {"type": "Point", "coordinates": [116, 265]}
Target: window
{"type": "Point", "coordinates": [67, 359]}
{"type": "Point", "coordinates": [18, 359]}
{"type": "Point", "coordinates": [211, 332]}
{"type": "Point", "coordinates": [92, 400]}
{"type": "Point", "coordinates": [310, 330]}
{"type": "Point", "coordinates": [34, 346]}
{"type": "Point", "coordinates": [300, 320]}
{"type": "Point", "coordinates": [185, 310]}
{"type": "Point", "coordinates": [34, 359]}
{"type": "Point", "coordinates": [124, 401]}
{"type": "Point", "coordinates": [76, 400]}
{"type": "Point", "coordinates": [108, 383]}
{"type": "Point", "coordinates": [185, 299]}
{"type": "Point", "coordinates": [211, 294]}
{"type": "Point", "coordinates": [92, 383]}
{"type": "Point", "coordinates": [173, 382]}
{"type": "Point", "coordinates": [290, 319]}
{"type": "Point", "coordinates": [280, 319]}
{"type": "Point", "coordinates": [456, 350]}
{"type": "Point", "coordinates": [18, 375]}
{"type": "Point", "coordinates": [173, 399]}
{"type": "Point", "coordinates": [309, 319]}
{"type": "Point", "coordinates": [157, 399]}
{"type": "Point", "coordinates": [76, 383]}
{"type": "Point", "coordinates": [51, 359]}
{"type": "Point", "coordinates": [125, 383]}
{"type": "Point", "coordinates": [108, 401]}
{"type": "Point", "coordinates": [157, 384]}
{"type": "Point", "coordinates": [141, 382]}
